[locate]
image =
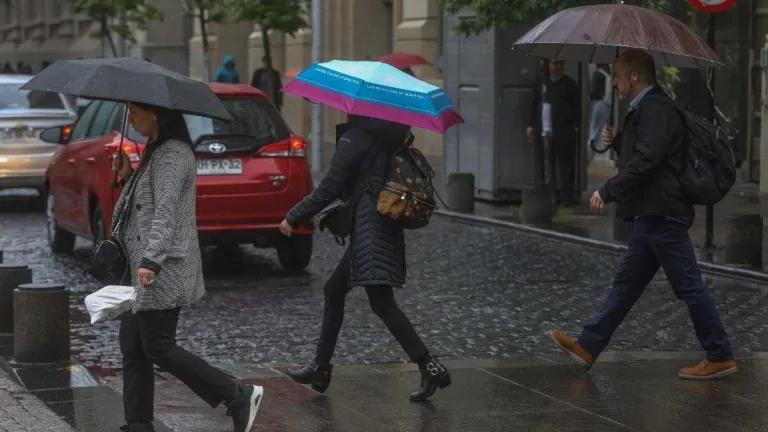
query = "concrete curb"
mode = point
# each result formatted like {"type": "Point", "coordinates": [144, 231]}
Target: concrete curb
{"type": "Point", "coordinates": [706, 267]}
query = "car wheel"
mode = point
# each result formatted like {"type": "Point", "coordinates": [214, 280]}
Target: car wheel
{"type": "Point", "coordinates": [294, 253]}
{"type": "Point", "coordinates": [98, 226]}
{"type": "Point", "coordinates": [60, 241]}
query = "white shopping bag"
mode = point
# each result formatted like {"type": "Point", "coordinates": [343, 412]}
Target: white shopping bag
{"type": "Point", "coordinates": [110, 302]}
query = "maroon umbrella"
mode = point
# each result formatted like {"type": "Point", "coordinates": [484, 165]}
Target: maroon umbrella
{"type": "Point", "coordinates": [599, 33]}
{"type": "Point", "coordinates": [402, 60]}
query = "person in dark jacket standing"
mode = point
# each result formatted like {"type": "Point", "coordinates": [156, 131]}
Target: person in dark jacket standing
{"type": "Point", "coordinates": [564, 95]}
{"type": "Point", "coordinates": [375, 257]}
{"type": "Point", "coordinates": [648, 191]}
{"type": "Point", "coordinates": [269, 83]}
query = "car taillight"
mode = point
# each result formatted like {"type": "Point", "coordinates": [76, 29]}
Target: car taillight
{"type": "Point", "coordinates": [128, 149]}
{"type": "Point", "coordinates": [292, 147]}
{"type": "Point", "coordinates": [66, 131]}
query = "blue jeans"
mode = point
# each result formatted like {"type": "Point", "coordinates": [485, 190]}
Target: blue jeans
{"type": "Point", "coordinates": [659, 241]}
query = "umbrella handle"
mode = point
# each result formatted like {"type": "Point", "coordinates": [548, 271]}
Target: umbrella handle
{"type": "Point", "coordinates": [611, 122]}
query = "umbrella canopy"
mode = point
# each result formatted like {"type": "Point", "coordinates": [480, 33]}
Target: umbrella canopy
{"type": "Point", "coordinates": [402, 60]}
{"type": "Point", "coordinates": [376, 90]}
{"type": "Point", "coordinates": [130, 79]}
{"type": "Point", "coordinates": [599, 33]}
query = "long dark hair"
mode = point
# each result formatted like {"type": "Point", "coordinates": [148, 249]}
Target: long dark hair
{"type": "Point", "coordinates": [170, 126]}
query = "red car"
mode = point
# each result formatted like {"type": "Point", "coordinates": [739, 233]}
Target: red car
{"type": "Point", "coordinates": [250, 173]}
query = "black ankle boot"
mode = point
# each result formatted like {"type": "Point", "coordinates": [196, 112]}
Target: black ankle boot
{"type": "Point", "coordinates": [433, 376]}
{"type": "Point", "coordinates": [318, 376]}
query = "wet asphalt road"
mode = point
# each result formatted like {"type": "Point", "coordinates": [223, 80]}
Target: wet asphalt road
{"type": "Point", "coordinates": [473, 292]}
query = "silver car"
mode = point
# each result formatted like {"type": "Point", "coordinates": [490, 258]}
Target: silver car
{"type": "Point", "coordinates": [23, 115]}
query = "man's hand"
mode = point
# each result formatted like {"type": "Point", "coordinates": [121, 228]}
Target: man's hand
{"type": "Point", "coordinates": [286, 229]}
{"type": "Point", "coordinates": [596, 203]}
{"type": "Point", "coordinates": [608, 134]}
{"type": "Point", "coordinates": [146, 277]}
{"type": "Point", "coordinates": [530, 132]}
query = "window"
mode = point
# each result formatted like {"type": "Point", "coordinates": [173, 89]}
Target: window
{"type": "Point", "coordinates": [103, 120]}
{"type": "Point", "coordinates": [255, 117]}
{"type": "Point", "coordinates": [80, 130]}
{"type": "Point", "coordinates": [13, 98]}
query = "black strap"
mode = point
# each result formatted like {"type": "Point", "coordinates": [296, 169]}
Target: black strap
{"type": "Point", "coordinates": [126, 210]}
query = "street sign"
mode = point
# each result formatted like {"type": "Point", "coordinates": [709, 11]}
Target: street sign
{"type": "Point", "coordinates": [712, 5]}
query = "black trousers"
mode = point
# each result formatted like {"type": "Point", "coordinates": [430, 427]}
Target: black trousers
{"type": "Point", "coordinates": [382, 299]}
{"type": "Point", "coordinates": [565, 149]}
{"type": "Point", "coordinates": [149, 337]}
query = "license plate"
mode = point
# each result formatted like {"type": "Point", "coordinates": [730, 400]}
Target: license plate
{"type": "Point", "coordinates": [219, 167]}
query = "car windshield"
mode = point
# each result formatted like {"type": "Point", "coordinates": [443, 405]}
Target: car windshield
{"type": "Point", "coordinates": [254, 117]}
{"type": "Point", "coordinates": [13, 98]}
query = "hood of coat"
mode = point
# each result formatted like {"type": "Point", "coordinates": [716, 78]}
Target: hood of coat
{"type": "Point", "coordinates": [388, 132]}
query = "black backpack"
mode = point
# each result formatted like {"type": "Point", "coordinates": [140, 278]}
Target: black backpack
{"type": "Point", "coordinates": [709, 168]}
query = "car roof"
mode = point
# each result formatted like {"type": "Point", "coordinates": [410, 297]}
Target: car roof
{"type": "Point", "coordinates": [222, 89]}
{"type": "Point", "coordinates": [14, 78]}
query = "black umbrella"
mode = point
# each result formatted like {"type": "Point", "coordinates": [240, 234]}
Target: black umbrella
{"type": "Point", "coordinates": [129, 79]}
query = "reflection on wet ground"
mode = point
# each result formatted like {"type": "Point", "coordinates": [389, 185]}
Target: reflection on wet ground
{"type": "Point", "coordinates": [632, 392]}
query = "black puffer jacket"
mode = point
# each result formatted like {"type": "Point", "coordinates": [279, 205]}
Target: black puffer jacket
{"type": "Point", "coordinates": [376, 250]}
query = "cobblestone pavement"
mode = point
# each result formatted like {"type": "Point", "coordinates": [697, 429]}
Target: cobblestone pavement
{"type": "Point", "coordinates": [20, 411]}
{"type": "Point", "coordinates": [473, 292]}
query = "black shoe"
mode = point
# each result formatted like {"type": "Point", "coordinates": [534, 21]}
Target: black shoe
{"type": "Point", "coordinates": [243, 409]}
{"type": "Point", "coordinates": [433, 376]}
{"type": "Point", "coordinates": [318, 376]}
{"type": "Point", "coordinates": [138, 427]}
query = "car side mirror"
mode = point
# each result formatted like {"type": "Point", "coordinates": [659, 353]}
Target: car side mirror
{"type": "Point", "coordinates": [56, 135]}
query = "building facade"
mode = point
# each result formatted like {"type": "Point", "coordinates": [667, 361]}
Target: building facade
{"type": "Point", "coordinates": [38, 31]}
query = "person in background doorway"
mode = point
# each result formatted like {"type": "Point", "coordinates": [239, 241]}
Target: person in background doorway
{"type": "Point", "coordinates": [261, 80]}
{"type": "Point", "coordinates": [564, 95]}
{"type": "Point", "coordinates": [600, 92]}
{"type": "Point", "coordinates": [227, 73]}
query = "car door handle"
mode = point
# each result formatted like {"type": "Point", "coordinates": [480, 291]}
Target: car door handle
{"type": "Point", "coordinates": [71, 161]}
{"type": "Point", "coordinates": [90, 160]}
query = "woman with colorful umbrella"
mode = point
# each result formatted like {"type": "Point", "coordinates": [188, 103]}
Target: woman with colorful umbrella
{"type": "Point", "coordinates": [154, 223]}
{"type": "Point", "coordinates": [382, 103]}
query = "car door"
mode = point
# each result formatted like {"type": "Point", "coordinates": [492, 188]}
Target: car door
{"type": "Point", "coordinates": [63, 185]}
{"type": "Point", "coordinates": [92, 160]}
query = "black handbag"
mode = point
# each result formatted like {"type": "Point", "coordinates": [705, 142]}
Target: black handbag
{"type": "Point", "coordinates": [109, 263]}
{"type": "Point", "coordinates": [337, 217]}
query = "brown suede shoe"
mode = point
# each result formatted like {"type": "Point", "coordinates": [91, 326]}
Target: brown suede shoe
{"type": "Point", "coordinates": [572, 348]}
{"type": "Point", "coordinates": [708, 370]}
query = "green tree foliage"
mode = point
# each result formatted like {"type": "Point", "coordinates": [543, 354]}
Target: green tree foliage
{"type": "Point", "coordinates": [135, 14]}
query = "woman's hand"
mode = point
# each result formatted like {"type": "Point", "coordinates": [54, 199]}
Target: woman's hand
{"type": "Point", "coordinates": [121, 164]}
{"type": "Point", "coordinates": [286, 229]}
{"type": "Point", "coordinates": [146, 277]}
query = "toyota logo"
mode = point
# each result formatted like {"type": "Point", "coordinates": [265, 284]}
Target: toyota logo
{"type": "Point", "coordinates": [217, 148]}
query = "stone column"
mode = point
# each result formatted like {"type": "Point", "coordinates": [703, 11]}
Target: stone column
{"type": "Point", "coordinates": [764, 126]}
{"type": "Point", "coordinates": [419, 32]}
{"type": "Point", "coordinates": [298, 56]}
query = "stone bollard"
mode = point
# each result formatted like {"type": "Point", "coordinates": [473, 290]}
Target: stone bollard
{"type": "Point", "coordinates": [11, 276]}
{"type": "Point", "coordinates": [41, 323]}
{"type": "Point", "coordinates": [744, 240]}
{"type": "Point", "coordinates": [461, 192]}
{"type": "Point", "coordinates": [537, 205]}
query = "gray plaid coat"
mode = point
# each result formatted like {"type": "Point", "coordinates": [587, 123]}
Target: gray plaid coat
{"type": "Point", "coordinates": [161, 230]}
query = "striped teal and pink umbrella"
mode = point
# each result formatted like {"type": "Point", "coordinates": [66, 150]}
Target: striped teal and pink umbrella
{"type": "Point", "coordinates": [378, 90]}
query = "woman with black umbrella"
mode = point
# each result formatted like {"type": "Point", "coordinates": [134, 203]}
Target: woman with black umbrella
{"type": "Point", "coordinates": [154, 244]}
{"type": "Point", "coordinates": [160, 240]}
